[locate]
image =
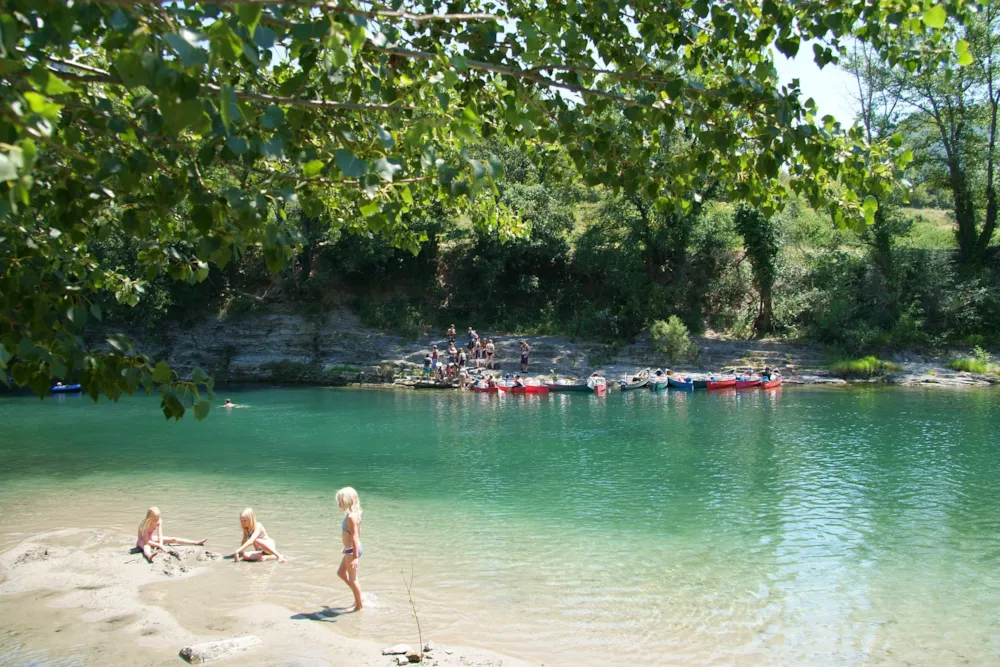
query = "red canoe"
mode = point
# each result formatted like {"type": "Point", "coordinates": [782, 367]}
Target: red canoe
{"type": "Point", "coordinates": [484, 390]}
{"type": "Point", "coordinates": [747, 384]}
{"type": "Point", "coordinates": [722, 384]}
{"type": "Point", "coordinates": [771, 384]}
{"type": "Point", "coordinates": [530, 389]}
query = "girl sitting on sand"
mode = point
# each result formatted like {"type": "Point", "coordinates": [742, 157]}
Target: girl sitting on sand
{"type": "Point", "coordinates": [350, 531]}
{"type": "Point", "coordinates": [254, 535]}
{"type": "Point", "coordinates": [151, 535]}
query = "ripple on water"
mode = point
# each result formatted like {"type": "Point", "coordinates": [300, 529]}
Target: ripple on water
{"type": "Point", "coordinates": [803, 527]}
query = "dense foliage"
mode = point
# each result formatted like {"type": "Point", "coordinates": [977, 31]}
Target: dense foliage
{"type": "Point", "coordinates": [155, 140]}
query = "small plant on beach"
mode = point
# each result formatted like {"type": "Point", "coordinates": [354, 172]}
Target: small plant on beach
{"type": "Point", "coordinates": [413, 608]}
{"type": "Point", "coordinates": [671, 338]}
{"type": "Point", "coordinates": [867, 367]}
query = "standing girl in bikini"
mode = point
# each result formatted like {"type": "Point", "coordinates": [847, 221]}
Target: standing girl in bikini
{"type": "Point", "coordinates": [254, 535]}
{"type": "Point", "coordinates": [350, 531]}
{"type": "Point", "coordinates": [151, 535]}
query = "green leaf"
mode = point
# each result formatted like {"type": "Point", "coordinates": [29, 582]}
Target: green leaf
{"type": "Point", "coordinates": [119, 21]}
{"type": "Point", "coordinates": [201, 409]}
{"type": "Point", "coordinates": [407, 195]}
{"type": "Point", "coordinates": [237, 145]}
{"type": "Point", "coordinates": [77, 315]}
{"type": "Point", "coordinates": [249, 16]}
{"type": "Point", "coordinates": [118, 343]}
{"type": "Point", "coordinates": [48, 83]}
{"type": "Point", "coordinates": [264, 37]}
{"type": "Point", "coordinates": [162, 373]}
{"type": "Point", "coordinates": [190, 113]}
{"type": "Point", "coordinates": [8, 170]}
{"type": "Point", "coordinates": [273, 148]}
{"type": "Point", "coordinates": [4, 356]}
{"type": "Point", "coordinates": [350, 165]}
{"type": "Point", "coordinates": [369, 210]}
{"type": "Point", "coordinates": [228, 108]}
{"type": "Point", "coordinates": [385, 169]}
{"type": "Point", "coordinates": [935, 17]}
{"type": "Point", "coordinates": [870, 204]}
{"type": "Point", "coordinates": [964, 55]}
{"type": "Point", "coordinates": [185, 43]}
{"type": "Point", "coordinates": [273, 117]}
{"type": "Point", "coordinates": [42, 106]}
{"type": "Point", "coordinates": [385, 137]}
{"type": "Point", "coordinates": [312, 168]}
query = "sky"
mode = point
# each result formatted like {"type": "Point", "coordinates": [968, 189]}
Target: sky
{"type": "Point", "coordinates": [831, 87]}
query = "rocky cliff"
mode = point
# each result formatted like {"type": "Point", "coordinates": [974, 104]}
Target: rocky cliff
{"type": "Point", "coordinates": [336, 349]}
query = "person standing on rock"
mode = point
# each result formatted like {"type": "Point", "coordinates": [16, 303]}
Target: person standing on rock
{"type": "Point", "coordinates": [462, 358]}
{"type": "Point", "coordinates": [427, 364]}
{"type": "Point", "coordinates": [452, 352]}
{"type": "Point", "coordinates": [477, 351]}
{"type": "Point", "coordinates": [434, 357]}
{"type": "Point", "coordinates": [525, 350]}
{"type": "Point", "coordinates": [451, 334]}
{"type": "Point", "coordinates": [490, 351]}
{"type": "Point", "coordinates": [472, 336]}
{"type": "Point", "coordinates": [350, 531]}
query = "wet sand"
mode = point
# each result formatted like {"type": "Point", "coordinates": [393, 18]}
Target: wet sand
{"type": "Point", "coordinates": [79, 596]}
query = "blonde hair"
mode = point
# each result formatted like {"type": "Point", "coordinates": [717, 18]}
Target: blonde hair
{"type": "Point", "coordinates": [151, 519]}
{"type": "Point", "coordinates": [347, 499]}
{"type": "Point", "coordinates": [248, 513]}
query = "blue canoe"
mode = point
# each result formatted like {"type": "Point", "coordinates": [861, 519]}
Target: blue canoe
{"type": "Point", "coordinates": [65, 388]}
{"type": "Point", "coordinates": [680, 384]}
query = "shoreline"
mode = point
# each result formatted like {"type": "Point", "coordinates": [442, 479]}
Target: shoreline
{"type": "Point", "coordinates": [83, 588]}
{"type": "Point", "coordinates": [337, 349]}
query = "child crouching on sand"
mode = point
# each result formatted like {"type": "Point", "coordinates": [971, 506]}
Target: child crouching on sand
{"type": "Point", "coordinates": [151, 535]}
{"type": "Point", "coordinates": [350, 531]}
{"type": "Point", "coordinates": [254, 535]}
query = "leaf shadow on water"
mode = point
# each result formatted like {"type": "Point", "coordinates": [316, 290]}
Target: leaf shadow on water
{"type": "Point", "coordinates": [326, 615]}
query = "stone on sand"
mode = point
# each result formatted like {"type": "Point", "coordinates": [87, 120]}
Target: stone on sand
{"type": "Point", "coordinates": [398, 649]}
{"type": "Point", "coordinates": [199, 654]}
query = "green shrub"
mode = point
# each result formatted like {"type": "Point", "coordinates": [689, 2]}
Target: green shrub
{"type": "Point", "coordinates": [868, 367]}
{"type": "Point", "coordinates": [979, 362]}
{"type": "Point", "coordinates": [969, 365]}
{"type": "Point", "coordinates": [671, 337]}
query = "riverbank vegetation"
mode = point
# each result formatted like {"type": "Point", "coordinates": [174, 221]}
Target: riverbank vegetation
{"type": "Point", "coordinates": [587, 172]}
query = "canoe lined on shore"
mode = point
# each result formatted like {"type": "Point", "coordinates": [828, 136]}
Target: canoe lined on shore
{"type": "Point", "coordinates": [700, 383]}
{"type": "Point", "coordinates": [485, 390]}
{"type": "Point", "coordinates": [658, 384]}
{"type": "Point", "coordinates": [638, 384]}
{"type": "Point", "coordinates": [726, 383]}
{"type": "Point", "coordinates": [637, 381]}
{"type": "Point", "coordinates": [771, 384]}
{"type": "Point", "coordinates": [679, 383]}
{"type": "Point", "coordinates": [430, 384]}
{"type": "Point", "coordinates": [748, 384]}
{"type": "Point", "coordinates": [527, 389]}
{"type": "Point", "coordinates": [558, 386]}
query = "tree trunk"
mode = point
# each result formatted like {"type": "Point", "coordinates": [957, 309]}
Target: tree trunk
{"type": "Point", "coordinates": [965, 213]}
{"type": "Point", "coordinates": [764, 323]}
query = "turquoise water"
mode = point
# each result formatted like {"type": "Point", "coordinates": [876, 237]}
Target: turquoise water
{"type": "Point", "coordinates": [833, 526]}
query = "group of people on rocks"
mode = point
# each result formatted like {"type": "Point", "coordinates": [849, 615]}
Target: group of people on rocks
{"type": "Point", "coordinates": [479, 352]}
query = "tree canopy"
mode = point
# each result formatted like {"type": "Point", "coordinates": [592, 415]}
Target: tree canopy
{"type": "Point", "coordinates": [191, 126]}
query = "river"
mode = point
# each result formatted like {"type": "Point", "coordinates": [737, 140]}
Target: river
{"type": "Point", "coordinates": [833, 526]}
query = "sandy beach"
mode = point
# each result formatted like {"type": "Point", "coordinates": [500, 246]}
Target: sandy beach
{"type": "Point", "coordinates": [79, 596]}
